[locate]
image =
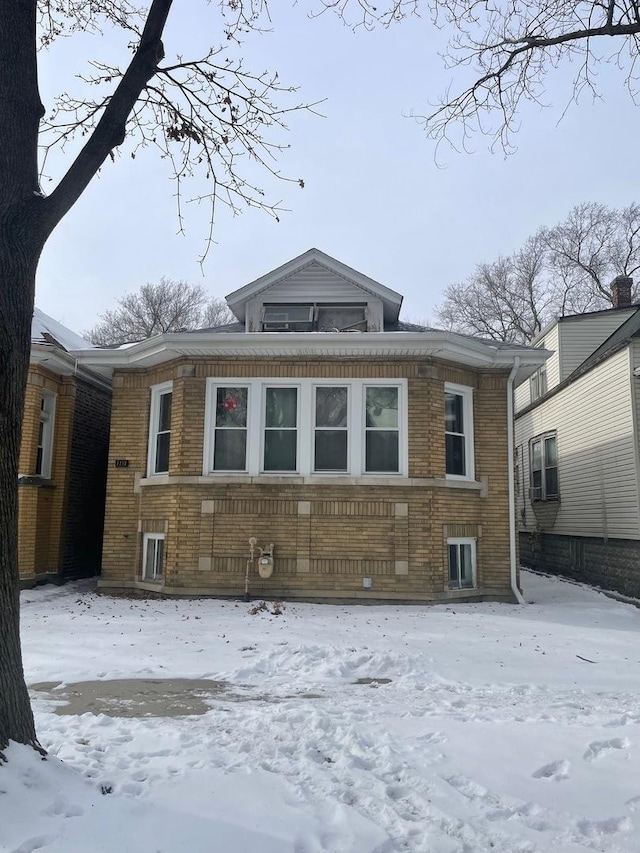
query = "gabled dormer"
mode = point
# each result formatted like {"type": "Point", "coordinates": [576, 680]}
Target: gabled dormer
{"type": "Point", "coordinates": [315, 293]}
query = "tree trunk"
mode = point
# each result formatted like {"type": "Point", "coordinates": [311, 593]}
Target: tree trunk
{"type": "Point", "coordinates": [19, 254]}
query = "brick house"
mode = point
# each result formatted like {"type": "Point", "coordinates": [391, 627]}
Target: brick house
{"type": "Point", "coordinates": [65, 438]}
{"type": "Point", "coordinates": [319, 447]}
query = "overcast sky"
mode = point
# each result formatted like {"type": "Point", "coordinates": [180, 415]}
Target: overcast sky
{"type": "Point", "coordinates": [374, 196]}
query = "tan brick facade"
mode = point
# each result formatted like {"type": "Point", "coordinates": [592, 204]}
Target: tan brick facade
{"type": "Point", "coordinates": [329, 533]}
{"type": "Point", "coordinates": [44, 546]}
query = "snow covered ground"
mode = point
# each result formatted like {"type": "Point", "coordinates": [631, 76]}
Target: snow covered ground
{"type": "Point", "coordinates": [502, 728]}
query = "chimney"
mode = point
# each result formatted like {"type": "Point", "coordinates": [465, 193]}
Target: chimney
{"type": "Point", "coordinates": [621, 291]}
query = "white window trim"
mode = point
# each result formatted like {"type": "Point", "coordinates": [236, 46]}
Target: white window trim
{"type": "Point", "coordinates": [48, 419]}
{"type": "Point", "coordinates": [154, 414]}
{"type": "Point", "coordinates": [463, 540]}
{"type": "Point", "coordinates": [542, 438]}
{"type": "Point", "coordinates": [466, 392]}
{"type": "Point", "coordinates": [147, 537]}
{"type": "Point", "coordinates": [286, 383]}
{"type": "Point", "coordinates": [306, 423]}
{"type": "Point", "coordinates": [315, 428]}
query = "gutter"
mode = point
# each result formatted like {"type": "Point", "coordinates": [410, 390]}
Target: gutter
{"type": "Point", "coordinates": [512, 490]}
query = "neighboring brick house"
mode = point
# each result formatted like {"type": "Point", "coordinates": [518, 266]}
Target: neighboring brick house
{"type": "Point", "coordinates": [65, 438]}
{"type": "Point", "coordinates": [371, 453]}
{"type": "Point", "coordinates": [578, 445]}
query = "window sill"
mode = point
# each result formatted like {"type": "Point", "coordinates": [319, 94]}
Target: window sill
{"type": "Point", "coordinates": [388, 480]}
{"type": "Point", "coordinates": [554, 500]}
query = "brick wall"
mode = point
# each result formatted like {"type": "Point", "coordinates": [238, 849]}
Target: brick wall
{"type": "Point", "coordinates": [59, 518]}
{"type": "Point", "coordinates": [327, 537]}
{"type": "Point", "coordinates": [84, 523]}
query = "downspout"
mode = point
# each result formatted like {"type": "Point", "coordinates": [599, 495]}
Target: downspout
{"type": "Point", "coordinates": [512, 491]}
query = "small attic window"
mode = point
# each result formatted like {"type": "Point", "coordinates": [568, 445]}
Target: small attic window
{"type": "Point", "coordinates": [314, 318]}
{"type": "Point", "coordinates": [287, 318]}
{"type": "Point", "coordinates": [341, 318]}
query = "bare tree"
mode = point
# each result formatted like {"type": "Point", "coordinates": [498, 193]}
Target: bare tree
{"type": "Point", "coordinates": [169, 306]}
{"type": "Point", "coordinates": [216, 313]}
{"type": "Point", "coordinates": [207, 112]}
{"type": "Point", "coordinates": [510, 48]}
{"type": "Point", "coordinates": [562, 270]}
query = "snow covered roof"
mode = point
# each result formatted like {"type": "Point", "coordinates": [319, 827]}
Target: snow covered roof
{"type": "Point", "coordinates": [46, 330]}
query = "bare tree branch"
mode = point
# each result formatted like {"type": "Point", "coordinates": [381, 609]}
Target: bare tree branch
{"type": "Point", "coordinates": [562, 270]}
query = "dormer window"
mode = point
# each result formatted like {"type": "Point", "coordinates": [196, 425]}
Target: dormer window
{"type": "Point", "coordinates": [287, 318]}
{"type": "Point", "coordinates": [314, 318]}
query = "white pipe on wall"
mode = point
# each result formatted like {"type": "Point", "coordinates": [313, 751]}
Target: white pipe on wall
{"type": "Point", "coordinates": [512, 492]}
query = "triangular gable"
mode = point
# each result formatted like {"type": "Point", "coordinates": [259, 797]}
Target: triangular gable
{"type": "Point", "coordinates": [313, 276]}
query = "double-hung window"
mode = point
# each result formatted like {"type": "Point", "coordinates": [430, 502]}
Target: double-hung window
{"type": "Point", "coordinates": [230, 428]}
{"type": "Point", "coordinates": [544, 467]}
{"type": "Point", "coordinates": [331, 428]}
{"type": "Point", "coordinates": [458, 431]}
{"type": "Point", "coordinates": [152, 556]}
{"type": "Point", "coordinates": [45, 435]}
{"type": "Point", "coordinates": [280, 449]}
{"type": "Point", "coordinates": [539, 382]}
{"type": "Point", "coordinates": [382, 433]}
{"type": "Point", "coordinates": [462, 563]}
{"type": "Point", "coordinates": [308, 427]}
{"type": "Point", "coordinates": [160, 429]}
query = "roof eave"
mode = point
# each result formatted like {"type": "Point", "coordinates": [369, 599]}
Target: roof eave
{"type": "Point", "coordinates": [439, 344]}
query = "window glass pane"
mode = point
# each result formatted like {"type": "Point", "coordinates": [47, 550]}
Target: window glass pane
{"type": "Point", "coordinates": [550, 451]}
{"type": "Point", "coordinates": [466, 567]}
{"type": "Point", "coordinates": [331, 407]}
{"type": "Point", "coordinates": [164, 416]}
{"type": "Point", "coordinates": [162, 452]}
{"type": "Point", "coordinates": [230, 450]}
{"type": "Point", "coordinates": [453, 565]}
{"type": "Point", "coordinates": [331, 450]}
{"type": "Point", "coordinates": [281, 407]}
{"type": "Point", "coordinates": [341, 317]}
{"type": "Point", "coordinates": [536, 479]}
{"type": "Point", "coordinates": [39, 460]}
{"type": "Point", "coordinates": [454, 413]}
{"type": "Point", "coordinates": [286, 313]}
{"type": "Point", "coordinates": [154, 558]}
{"type": "Point", "coordinates": [381, 452]}
{"type": "Point", "coordinates": [159, 557]}
{"type": "Point", "coordinates": [536, 455]}
{"type": "Point", "coordinates": [280, 449]}
{"type": "Point", "coordinates": [551, 482]}
{"type": "Point", "coordinates": [382, 407]}
{"type": "Point", "coordinates": [231, 407]}
{"type": "Point", "coordinates": [455, 454]}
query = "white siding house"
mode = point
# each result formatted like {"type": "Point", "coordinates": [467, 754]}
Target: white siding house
{"type": "Point", "coordinates": [577, 446]}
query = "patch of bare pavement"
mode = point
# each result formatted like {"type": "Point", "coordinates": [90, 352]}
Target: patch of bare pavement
{"type": "Point", "coordinates": [157, 697]}
{"type": "Point", "coordinates": [137, 697]}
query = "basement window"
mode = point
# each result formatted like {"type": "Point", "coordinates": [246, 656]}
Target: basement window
{"type": "Point", "coordinates": [462, 563]}
{"type": "Point", "coordinates": [152, 556]}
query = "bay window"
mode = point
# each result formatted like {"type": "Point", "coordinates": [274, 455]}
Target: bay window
{"type": "Point", "coordinates": [310, 428]}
